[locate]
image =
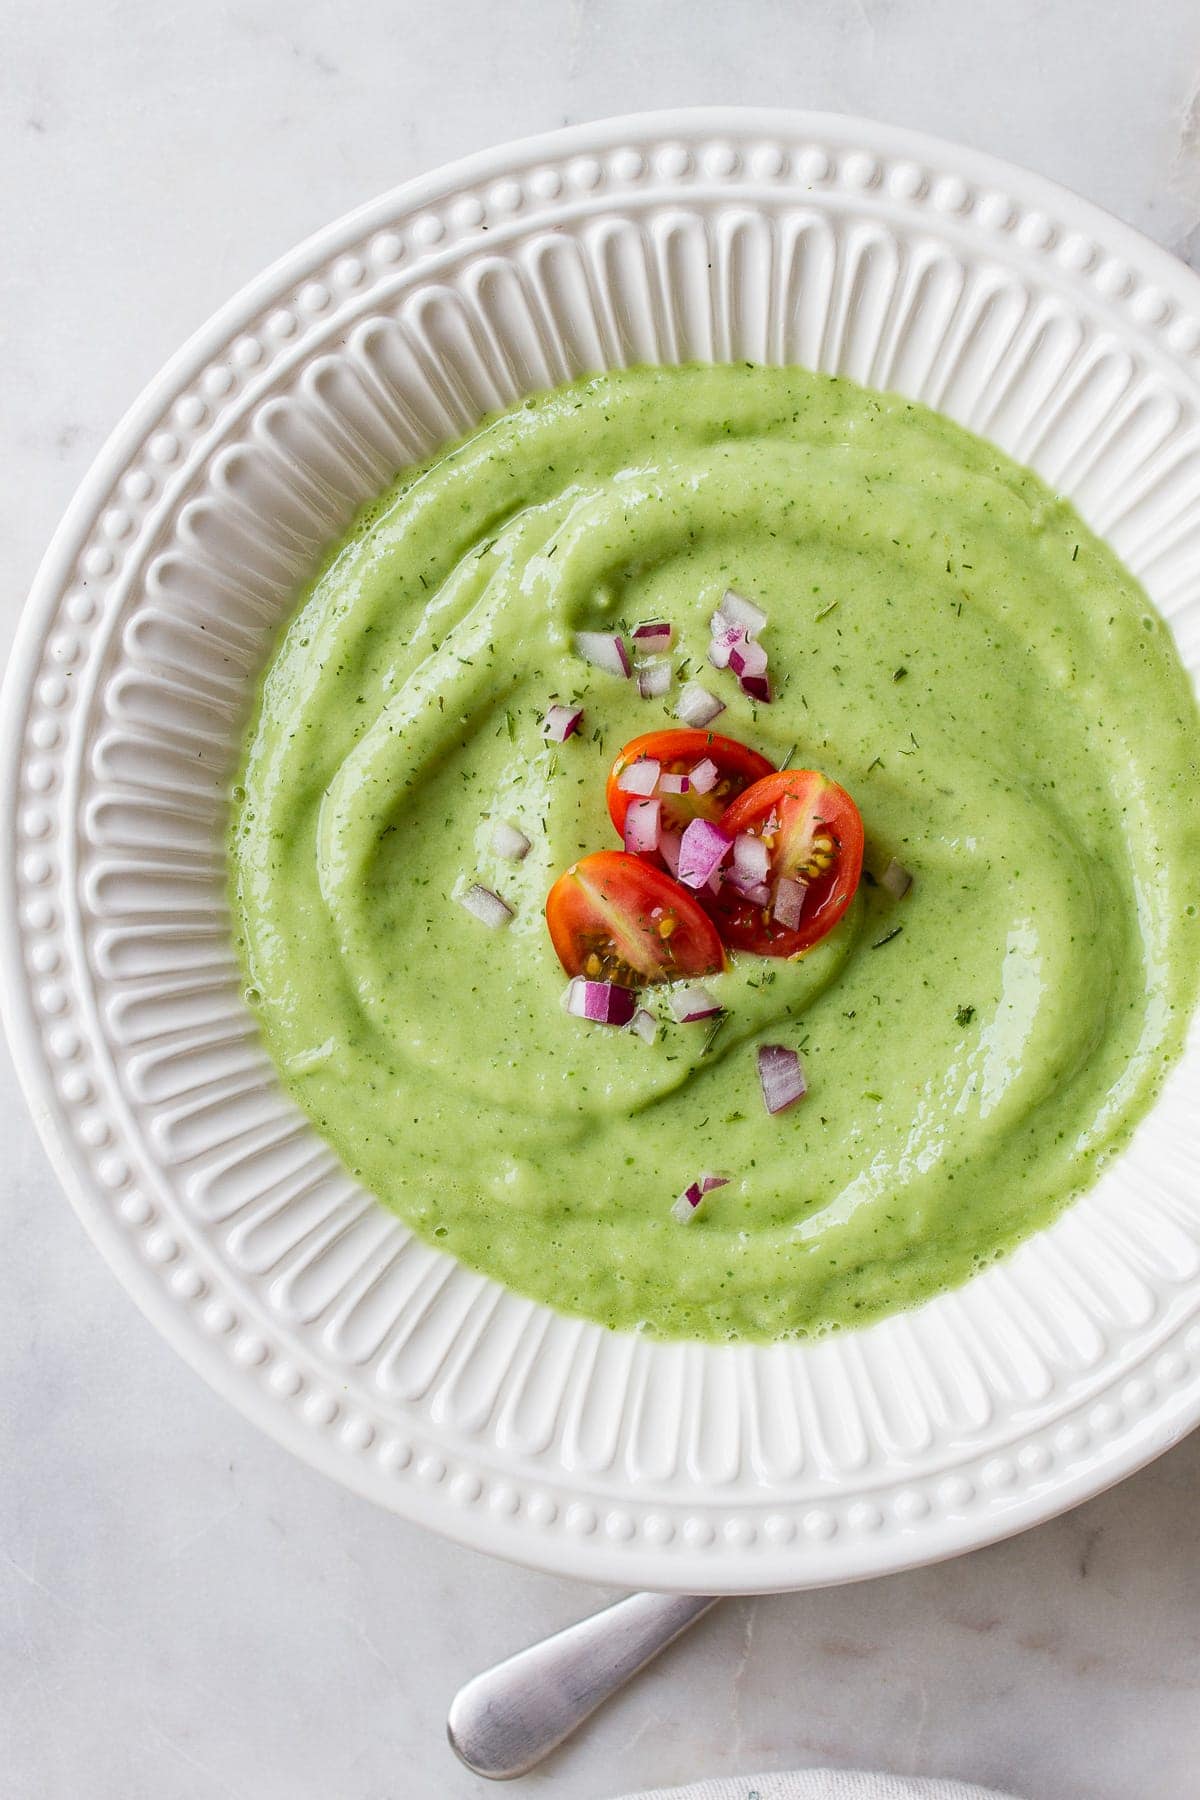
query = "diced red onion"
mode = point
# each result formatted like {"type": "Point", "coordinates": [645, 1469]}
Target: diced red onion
{"type": "Point", "coordinates": [725, 640]}
{"type": "Point", "coordinates": [485, 905]}
{"type": "Point", "coordinates": [756, 687]}
{"type": "Point", "coordinates": [560, 722]}
{"type": "Point", "coordinates": [674, 784]}
{"type": "Point", "coordinates": [789, 902]}
{"type": "Point", "coordinates": [653, 639]}
{"type": "Point", "coordinates": [781, 1077]}
{"type": "Point", "coordinates": [605, 650]}
{"type": "Point", "coordinates": [751, 858]}
{"type": "Point", "coordinates": [704, 776]}
{"type": "Point", "coordinates": [600, 1002]}
{"type": "Point", "coordinates": [685, 1207]}
{"type": "Point", "coordinates": [645, 1025]}
{"type": "Point", "coordinates": [735, 609]}
{"type": "Point", "coordinates": [654, 680]}
{"type": "Point", "coordinates": [896, 879]}
{"type": "Point", "coordinates": [510, 843]}
{"type": "Point", "coordinates": [748, 658]}
{"type": "Point", "coordinates": [702, 851]}
{"type": "Point", "coordinates": [690, 1002]}
{"type": "Point", "coordinates": [757, 892]}
{"type": "Point", "coordinates": [640, 777]}
{"type": "Point", "coordinates": [735, 626]}
{"type": "Point", "coordinates": [643, 821]}
{"type": "Point", "coordinates": [696, 706]}
{"type": "Point", "coordinates": [668, 848]}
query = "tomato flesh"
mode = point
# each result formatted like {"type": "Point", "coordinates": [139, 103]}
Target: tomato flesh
{"type": "Point", "coordinates": [678, 753]}
{"type": "Point", "coordinates": [614, 917]}
{"type": "Point", "coordinates": [814, 834]}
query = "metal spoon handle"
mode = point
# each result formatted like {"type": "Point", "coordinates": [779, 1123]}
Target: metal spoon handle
{"type": "Point", "coordinates": [510, 1717]}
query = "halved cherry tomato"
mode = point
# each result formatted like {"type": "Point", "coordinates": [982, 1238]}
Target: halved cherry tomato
{"type": "Point", "coordinates": [678, 752]}
{"type": "Point", "coordinates": [616, 918]}
{"type": "Point", "coordinates": [814, 833]}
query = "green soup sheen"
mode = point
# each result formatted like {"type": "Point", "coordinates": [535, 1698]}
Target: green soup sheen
{"type": "Point", "coordinates": [948, 640]}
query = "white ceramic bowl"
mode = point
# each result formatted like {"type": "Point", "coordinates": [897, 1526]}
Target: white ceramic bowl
{"type": "Point", "coordinates": [906, 263]}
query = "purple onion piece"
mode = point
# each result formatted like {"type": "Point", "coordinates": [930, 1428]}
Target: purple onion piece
{"type": "Point", "coordinates": [704, 776]}
{"type": "Point", "coordinates": [781, 1077]}
{"type": "Point", "coordinates": [643, 824]}
{"type": "Point", "coordinates": [702, 850]}
{"type": "Point", "coordinates": [668, 848]}
{"type": "Point", "coordinates": [756, 687]}
{"type": "Point", "coordinates": [685, 1207]}
{"type": "Point", "coordinates": [789, 902]}
{"type": "Point", "coordinates": [654, 679]}
{"type": "Point", "coordinates": [640, 777]}
{"type": "Point", "coordinates": [725, 640]}
{"type": "Point", "coordinates": [757, 892]}
{"type": "Point", "coordinates": [644, 1024]}
{"type": "Point", "coordinates": [696, 706]}
{"type": "Point", "coordinates": [654, 638]}
{"type": "Point", "coordinates": [485, 905]}
{"type": "Point", "coordinates": [604, 650]}
{"type": "Point", "coordinates": [510, 843]}
{"type": "Point", "coordinates": [689, 1002]}
{"type": "Point", "coordinates": [561, 722]}
{"type": "Point", "coordinates": [674, 784]}
{"type": "Point", "coordinates": [751, 858]}
{"type": "Point", "coordinates": [896, 879]}
{"type": "Point", "coordinates": [600, 1002]}
{"type": "Point", "coordinates": [747, 659]}
{"type": "Point", "coordinates": [735, 609]}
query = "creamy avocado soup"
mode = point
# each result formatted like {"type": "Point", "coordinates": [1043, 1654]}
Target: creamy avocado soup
{"type": "Point", "coordinates": [947, 641]}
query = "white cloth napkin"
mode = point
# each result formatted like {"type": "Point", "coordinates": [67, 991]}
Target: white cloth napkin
{"type": "Point", "coordinates": [822, 1784]}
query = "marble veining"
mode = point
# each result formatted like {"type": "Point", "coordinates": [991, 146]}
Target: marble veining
{"type": "Point", "coordinates": [185, 1610]}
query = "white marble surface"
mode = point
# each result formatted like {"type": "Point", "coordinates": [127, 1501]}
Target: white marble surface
{"type": "Point", "coordinates": [185, 1612]}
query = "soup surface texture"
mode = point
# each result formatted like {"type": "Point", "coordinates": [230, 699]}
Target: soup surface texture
{"type": "Point", "coordinates": [947, 640]}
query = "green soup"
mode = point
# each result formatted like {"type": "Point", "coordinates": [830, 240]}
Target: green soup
{"type": "Point", "coordinates": [948, 641]}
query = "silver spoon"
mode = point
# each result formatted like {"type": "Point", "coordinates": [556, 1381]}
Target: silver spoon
{"type": "Point", "coordinates": [510, 1717]}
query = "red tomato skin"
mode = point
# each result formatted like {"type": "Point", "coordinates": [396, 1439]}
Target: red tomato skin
{"type": "Point", "coordinates": [611, 906]}
{"type": "Point", "coordinates": [738, 764]}
{"type": "Point", "coordinates": [806, 800]}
